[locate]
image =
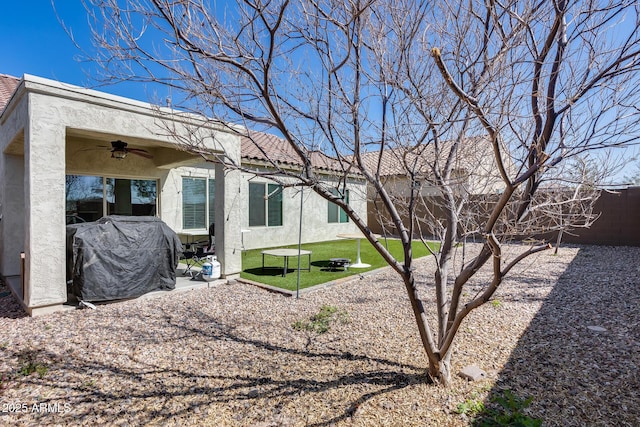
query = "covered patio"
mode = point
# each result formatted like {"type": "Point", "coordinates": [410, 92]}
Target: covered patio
{"type": "Point", "coordinates": [59, 165]}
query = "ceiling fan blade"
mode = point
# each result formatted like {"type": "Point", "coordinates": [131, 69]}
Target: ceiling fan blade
{"type": "Point", "coordinates": [96, 148]}
{"type": "Point", "coordinates": [140, 152]}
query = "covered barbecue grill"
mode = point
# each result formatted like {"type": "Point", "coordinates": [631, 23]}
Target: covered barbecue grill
{"type": "Point", "coordinates": [120, 257]}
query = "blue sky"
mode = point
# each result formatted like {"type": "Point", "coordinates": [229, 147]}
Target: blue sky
{"type": "Point", "coordinates": [32, 41]}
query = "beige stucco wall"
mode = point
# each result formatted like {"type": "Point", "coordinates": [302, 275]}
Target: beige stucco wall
{"type": "Point", "coordinates": [228, 236]}
{"type": "Point", "coordinates": [315, 225]}
{"type": "Point", "coordinates": [45, 246]}
{"type": "Point", "coordinates": [484, 179]}
{"type": "Point", "coordinates": [12, 203]}
{"type": "Point", "coordinates": [45, 133]}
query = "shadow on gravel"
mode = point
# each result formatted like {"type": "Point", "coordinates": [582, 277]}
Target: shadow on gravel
{"type": "Point", "coordinates": [575, 374]}
{"type": "Point", "coordinates": [9, 307]}
{"type": "Point", "coordinates": [159, 395]}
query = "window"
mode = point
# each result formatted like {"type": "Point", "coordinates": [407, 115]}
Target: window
{"type": "Point", "coordinates": [198, 203]}
{"type": "Point", "coordinates": [135, 197]}
{"type": "Point", "coordinates": [89, 198]}
{"type": "Point", "coordinates": [84, 198]}
{"type": "Point", "coordinates": [337, 214]}
{"type": "Point", "coordinates": [265, 204]}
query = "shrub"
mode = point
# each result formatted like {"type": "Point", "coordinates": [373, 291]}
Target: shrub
{"type": "Point", "coordinates": [321, 322]}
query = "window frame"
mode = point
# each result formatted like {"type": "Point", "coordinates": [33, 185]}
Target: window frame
{"type": "Point", "coordinates": [208, 211]}
{"type": "Point", "coordinates": [105, 202]}
{"type": "Point", "coordinates": [271, 213]}
{"type": "Point", "coordinates": [335, 211]}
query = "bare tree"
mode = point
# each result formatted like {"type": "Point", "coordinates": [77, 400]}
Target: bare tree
{"type": "Point", "coordinates": [526, 84]}
{"type": "Point", "coordinates": [633, 177]}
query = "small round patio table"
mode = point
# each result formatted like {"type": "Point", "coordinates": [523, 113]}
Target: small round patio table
{"type": "Point", "coordinates": [286, 253]}
{"type": "Point", "coordinates": [357, 237]}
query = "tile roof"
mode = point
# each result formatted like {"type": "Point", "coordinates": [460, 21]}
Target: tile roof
{"type": "Point", "coordinates": [8, 85]}
{"type": "Point", "coordinates": [258, 146]}
{"type": "Point", "coordinates": [265, 147]}
{"type": "Point", "coordinates": [393, 160]}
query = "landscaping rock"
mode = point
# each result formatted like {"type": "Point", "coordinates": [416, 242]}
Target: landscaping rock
{"type": "Point", "coordinates": [472, 373]}
{"type": "Point", "coordinates": [232, 352]}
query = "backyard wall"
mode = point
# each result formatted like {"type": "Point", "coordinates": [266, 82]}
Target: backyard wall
{"type": "Point", "coordinates": [618, 224]}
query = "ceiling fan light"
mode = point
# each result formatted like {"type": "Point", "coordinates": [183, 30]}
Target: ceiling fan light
{"type": "Point", "coordinates": [119, 154]}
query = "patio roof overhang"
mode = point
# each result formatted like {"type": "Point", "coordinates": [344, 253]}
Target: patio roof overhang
{"type": "Point", "coordinates": [50, 129]}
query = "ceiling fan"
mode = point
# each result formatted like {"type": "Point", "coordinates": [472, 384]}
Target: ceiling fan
{"type": "Point", "coordinates": [119, 151]}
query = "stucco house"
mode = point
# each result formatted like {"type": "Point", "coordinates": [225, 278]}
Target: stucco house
{"type": "Point", "coordinates": [278, 222]}
{"type": "Point", "coordinates": [474, 169]}
{"type": "Point", "coordinates": [474, 173]}
{"type": "Point", "coordinates": [59, 164]}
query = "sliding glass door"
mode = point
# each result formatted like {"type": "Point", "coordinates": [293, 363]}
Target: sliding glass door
{"type": "Point", "coordinates": [89, 198]}
{"type": "Point", "coordinates": [135, 197]}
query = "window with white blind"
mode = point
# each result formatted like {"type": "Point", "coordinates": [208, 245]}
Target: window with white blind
{"type": "Point", "coordinates": [265, 204]}
{"type": "Point", "coordinates": [198, 203]}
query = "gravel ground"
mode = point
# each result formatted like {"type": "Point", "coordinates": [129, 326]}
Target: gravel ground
{"type": "Point", "coordinates": [230, 356]}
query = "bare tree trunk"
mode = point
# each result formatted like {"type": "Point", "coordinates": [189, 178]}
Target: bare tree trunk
{"type": "Point", "coordinates": [439, 367]}
{"type": "Point", "coordinates": [440, 372]}
{"type": "Point", "coordinates": [558, 240]}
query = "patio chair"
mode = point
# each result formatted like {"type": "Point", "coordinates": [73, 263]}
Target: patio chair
{"type": "Point", "coordinates": [190, 258]}
{"type": "Point", "coordinates": [211, 249]}
{"type": "Point", "coordinates": [203, 251]}
{"type": "Point", "coordinates": [197, 251]}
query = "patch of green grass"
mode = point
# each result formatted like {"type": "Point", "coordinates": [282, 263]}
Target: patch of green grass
{"type": "Point", "coordinates": [470, 407]}
{"type": "Point", "coordinates": [30, 367]}
{"type": "Point", "coordinates": [508, 411]}
{"type": "Point", "coordinates": [321, 322]}
{"type": "Point", "coordinates": [496, 303]}
{"type": "Point", "coordinates": [321, 254]}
